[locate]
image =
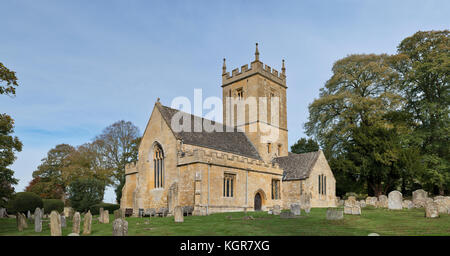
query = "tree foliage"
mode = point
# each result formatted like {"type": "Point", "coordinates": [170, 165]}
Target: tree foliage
{"type": "Point", "coordinates": [8, 81]}
{"type": "Point", "coordinates": [85, 192]}
{"type": "Point", "coordinates": [304, 145]}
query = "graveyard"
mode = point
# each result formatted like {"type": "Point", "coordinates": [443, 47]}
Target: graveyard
{"type": "Point", "coordinates": [385, 222]}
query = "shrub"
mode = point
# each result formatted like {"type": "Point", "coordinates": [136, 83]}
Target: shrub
{"type": "Point", "coordinates": [24, 202]}
{"type": "Point", "coordinates": [95, 209]}
{"type": "Point", "coordinates": [53, 205]}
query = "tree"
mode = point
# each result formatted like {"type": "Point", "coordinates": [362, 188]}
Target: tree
{"type": "Point", "coordinates": [53, 168]}
{"type": "Point", "coordinates": [45, 190]}
{"type": "Point", "coordinates": [304, 146]}
{"type": "Point", "coordinates": [85, 192]}
{"type": "Point", "coordinates": [118, 145]}
{"type": "Point", "coordinates": [423, 60]}
{"type": "Point", "coordinates": [8, 146]}
{"type": "Point", "coordinates": [350, 115]}
{"type": "Point", "coordinates": [8, 81]}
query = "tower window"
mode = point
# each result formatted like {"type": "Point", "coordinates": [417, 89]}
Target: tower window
{"type": "Point", "coordinates": [268, 147]}
{"type": "Point", "coordinates": [240, 93]}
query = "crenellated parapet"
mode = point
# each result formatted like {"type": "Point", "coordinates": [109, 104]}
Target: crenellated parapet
{"type": "Point", "coordinates": [226, 159]}
{"type": "Point", "coordinates": [256, 67]}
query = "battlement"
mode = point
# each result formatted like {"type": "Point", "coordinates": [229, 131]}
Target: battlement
{"type": "Point", "coordinates": [256, 67]}
{"type": "Point", "coordinates": [226, 159]}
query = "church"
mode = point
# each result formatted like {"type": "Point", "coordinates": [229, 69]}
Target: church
{"type": "Point", "coordinates": [244, 164]}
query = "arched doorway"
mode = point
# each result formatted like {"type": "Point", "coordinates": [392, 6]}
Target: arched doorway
{"type": "Point", "coordinates": [258, 202]}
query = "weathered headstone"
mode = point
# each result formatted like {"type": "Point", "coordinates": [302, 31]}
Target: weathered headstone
{"type": "Point", "coordinates": [362, 203]}
{"type": "Point", "coordinates": [55, 224]}
{"type": "Point", "coordinates": [356, 210]}
{"type": "Point", "coordinates": [348, 209]}
{"type": "Point", "coordinates": [3, 213]}
{"type": "Point", "coordinates": [350, 202]}
{"type": "Point", "coordinates": [172, 197]}
{"type": "Point", "coordinates": [87, 223]}
{"type": "Point", "coordinates": [105, 217]}
{"type": "Point", "coordinates": [443, 203]}
{"type": "Point", "coordinates": [305, 202]}
{"type": "Point", "coordinates": [382, 201]}
{"type": "Point", "coordinates": [178, 214]}
{"type": "Point", "coordinates": [276, 210]}
{"type": "Point", "coordinates": [341, 202]}
{"type": "Point", "coordinates": [335, 214]}
{"type": "Point", "coordinates": [408, 204]}
{"type": "Point", "coordinates": [295, 209]}
{"type": "Point", "coordinates": [63, 221]}
{"type": "Point", "coordinates": [420, 197]}
{"type": "Point", "coordinates": [76, 223]}
{"type": "Point", "coordinates": [395, 199]}
{"type": "Point", "coordinates": [37, 220]}
{"type": "Point", "coordinates": [372, 201]}
{"type": "Point", "coordinates": [100, 215]}
{"type": "Point", "coordinates": [21, 221]}
{"type": "Point", "coordinates": [29, 216]}
{"type": "Point", "coordinates": [120, 227]}
{"type": "Point", "coordinates": [431, 210]}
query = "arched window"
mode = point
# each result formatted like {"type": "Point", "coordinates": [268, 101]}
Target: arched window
{"type": "Point", "coordinates": [158, 166]}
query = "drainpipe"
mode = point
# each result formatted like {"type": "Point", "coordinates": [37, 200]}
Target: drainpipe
{"type": "Point", "coordinates": [207, 206]}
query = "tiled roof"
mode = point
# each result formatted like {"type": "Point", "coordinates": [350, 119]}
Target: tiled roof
{"type": "Point", "coordinates": [235, 142]}
{"type": "Point", "coordinates": [297, 166]}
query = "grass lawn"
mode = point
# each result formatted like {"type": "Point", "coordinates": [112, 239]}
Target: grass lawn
{"type": "Point", "coordinates": [382, 221]}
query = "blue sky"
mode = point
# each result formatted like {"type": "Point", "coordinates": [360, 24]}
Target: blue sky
{"type": "Point", "coordinates": [82, 65]}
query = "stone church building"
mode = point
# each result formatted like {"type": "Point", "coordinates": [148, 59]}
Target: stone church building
{"type": "Point", "coordinates": [231, 169]}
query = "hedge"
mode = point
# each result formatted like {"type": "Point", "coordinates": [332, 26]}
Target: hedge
{"type": "Point", "coordinates": [53, 205]}
{"type": "Point", "coordinates": [24, 202]}
{"type": "Point", "coordinates": [95, 209]}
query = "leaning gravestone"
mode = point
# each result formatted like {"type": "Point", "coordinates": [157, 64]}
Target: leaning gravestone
{"type": "Point", "coordinates": [37, 220]}
{"type": "Point", "coordinates": [55, 224]}
{"type": "Point", "coordinates": [431, 210]}
{"type": "Point", "coordinates": [295, 209]}
{"type": "Point", "coordinates": [178, 214]}
{"type": "Point", "coordinates": [420, 197]}
{"type": "Point", "coordinates": [105, 217]}
{"type": "Point", "coordinates": [76, 223]}
{"type": "Point", "coordinates": [395, 199]}
{"type": "Point", "coordinates": [63, 221]}
{"type": "Point", "coordinates": [276, 210]}
{"type": "Point", "coordinates": [87, 223]}
{"type": "Point", "coordinates": [335, 214]}
{"type": "Point", "coordinates": [120, 227]}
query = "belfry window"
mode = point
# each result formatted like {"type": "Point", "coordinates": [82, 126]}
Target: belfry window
{"type": "Point", "coordinates": [240, 93]}
{"type": "Point", "coordinates": [158, 166]}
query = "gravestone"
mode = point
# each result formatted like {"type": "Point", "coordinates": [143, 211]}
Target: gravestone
{"type": "Point", "coordinates": [350, 202]}
{"type": "Point", "coordinates": [105, 217]}
{"type": "Point", "coordinates": [443, 203]}
{"type": "Point", "coordinates": [420, 197]}
{"type": "Point", "coordinates": [341, 202]}
{"type": "Point", "coordinates": [348, 209]}
{"type": "Point", "coordinates": [37, 220]}
{"type": "Point", "coordinates": [382, 201]}
{"type": "Point", "coordinates": [172, 197]}
{"type": "Point", "coordinates": [408, 204]}
{"type": "Point", "coordinates": [55, 224]}
{"type": "Point", "coordinates": [372, 201]}
{"type": "Point", "coordinates": [76, 223]}
{"type": "Point", "coordinates": [287, 215]}
{"type": "Point", "coordinates": [356, 210]}
{"type": "Point", "coordinates": [120, 227]}
{"type": "Point", "coordinates": [276, 210]}
{"type": "Point", "coordinates": [395, 199]}
{"type": "Point", "coordinates": [305, 202]}
{"type": "Point", "coordinates": [29, 216]}
{"type": "Point", "coordinates": [335, 214]}
{"type": "Point", "coordinates": [295, 209]}
{"type": "Point", "coordinates": [431, 210]}
{"type": "Point", "coordinates": [362, 203]}
{"type": "Point", "coordinates": [118, 214]}
{"type": "Point", "coordinates": [178, 214]}
{"type": "Point", "coordinates": [100, 215]}
{"type": "Point", "coordinates": [73, 234]}
{"type": "Point", "coordinates": [63, 221]}
{"type": "Point", "coordinates": [3, 213]}
{"type": "Point", "coordinates": [21, 221]}
{"type": "Point", "coordinates": [87, 223]}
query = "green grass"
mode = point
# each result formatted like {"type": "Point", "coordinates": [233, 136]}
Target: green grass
{"type": "Point", "coordinates": [381, 221]}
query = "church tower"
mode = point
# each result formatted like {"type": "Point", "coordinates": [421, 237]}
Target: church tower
{"type": "Point", "coordinates": [254, 100]}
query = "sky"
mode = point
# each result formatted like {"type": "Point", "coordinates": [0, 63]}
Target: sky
{"type": "Point", "coordinates": [83, 65]}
